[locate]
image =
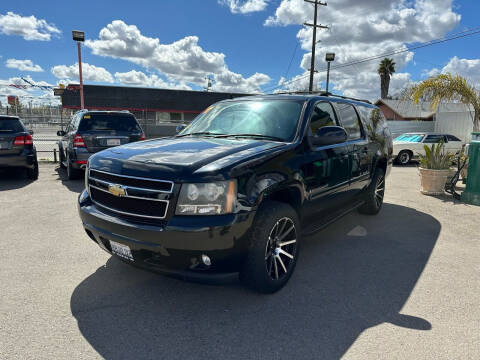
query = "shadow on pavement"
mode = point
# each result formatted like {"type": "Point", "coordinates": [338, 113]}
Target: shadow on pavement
{"type": "Point", "coordinates": [354, 275]}
{"type": "Point", "coordinates": [73, 185]}
{"type": "Point", "coordinates": [11, 179]}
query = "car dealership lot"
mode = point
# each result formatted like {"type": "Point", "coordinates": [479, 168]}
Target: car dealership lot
{"type": "Point", "coordinates": [403, 284]}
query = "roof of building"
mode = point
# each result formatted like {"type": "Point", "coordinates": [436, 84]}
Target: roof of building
{"type": "Point", "coordinates": [408, 109]}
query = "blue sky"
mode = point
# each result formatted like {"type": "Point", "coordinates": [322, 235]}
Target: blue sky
{"type": "Point", "coordinates": [245, 45]}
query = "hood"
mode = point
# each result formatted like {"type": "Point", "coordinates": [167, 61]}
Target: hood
{"type": "Point", "coordinates": [176, 158]}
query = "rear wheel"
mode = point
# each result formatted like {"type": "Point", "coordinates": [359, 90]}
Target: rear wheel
{"type": "Point", "coordinates": [274, 248]}
{"type": "Point", "coordinates": [72, 173]}
{"type": "Point", "coordinates": [404, 157]}
{"type": "Point", "coordinates": [374, 194]}
{"type": "Point", "coordinates": [33, 173]}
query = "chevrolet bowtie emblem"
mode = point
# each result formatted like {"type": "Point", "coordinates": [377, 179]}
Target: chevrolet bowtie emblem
{"type": "Point", "coordinates": [117, 190]}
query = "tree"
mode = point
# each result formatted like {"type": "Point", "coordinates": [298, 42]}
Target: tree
{"type": "Point", "coordinates": [448, 88]}
{"type": "Point", "coordinates": [385, 70]}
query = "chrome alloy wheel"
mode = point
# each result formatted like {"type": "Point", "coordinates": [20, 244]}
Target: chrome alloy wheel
{"type": "Point", "coordinates": [281, 248]}
{"type": "Point", "coordinates": [379, 191]}
{"type": "Point", "coordinates": [404, 158]}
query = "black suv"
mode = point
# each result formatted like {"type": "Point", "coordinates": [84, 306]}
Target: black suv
{"type": "Point", "coordinates": [236, 189]}
{"type": "Point", "coordinates": [91, 131]}
{"type": "Point", "coordinates": [16, 146]}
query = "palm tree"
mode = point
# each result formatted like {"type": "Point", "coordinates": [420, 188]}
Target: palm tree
{"type": "Point", "coordinates": [385, 70]}
{"type": "Point", "coordinates": [447, 87]}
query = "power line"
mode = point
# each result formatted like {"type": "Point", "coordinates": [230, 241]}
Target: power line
{"type": "Point", "coordinates": [452, 37]}
{"type": "Point", "coordinates": [291, 60]}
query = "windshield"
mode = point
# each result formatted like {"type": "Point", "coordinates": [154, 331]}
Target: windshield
{"type": "Point", "coordinates": [415, 138]}
{"type": "Point", "coordinates": [11, 125]}
{"type": "Point", "coordinates": [101, 122]}
{"type": "Point", "coordinates": [275, 119]}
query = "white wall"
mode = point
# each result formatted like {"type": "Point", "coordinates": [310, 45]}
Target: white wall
{"type": "Point", "coordinates": [400, 127]}
{"type": "Point", "coordinates": [455, 119]}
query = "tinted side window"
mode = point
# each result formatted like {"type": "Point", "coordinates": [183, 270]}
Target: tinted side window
{"type": "Point", "coordinates": [322, 115]}
{"type": "Point", "coordinates": [350, 122]}
{"type": "Point", "coordinates": [432, 139]}
{"type": "Point", "coordinates": [452, 138]}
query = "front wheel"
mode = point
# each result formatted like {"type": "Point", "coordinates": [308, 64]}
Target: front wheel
{"type": "Point", "coordinates": [274, 248]}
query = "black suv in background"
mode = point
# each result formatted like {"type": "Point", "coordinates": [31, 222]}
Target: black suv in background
{"type": "Point", "coordinates": [16, 146]}
{"type": "Point", "coordinates": [235, 191]}
{"type": "Point", "coordinates": [91, 131]}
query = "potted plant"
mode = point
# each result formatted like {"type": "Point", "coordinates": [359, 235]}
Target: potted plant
{"type": "Point", "coordinates": [434, 169]}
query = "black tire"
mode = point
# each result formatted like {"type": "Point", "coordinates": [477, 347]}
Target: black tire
{"type": "Point", "coordinates": [32, 174]}
{"type": "Point", "coordinates": [61, 158]}
{"type": "Point", "coordinates": [262, 270]}
{"type": "Point", "coordinates": [404, 157]}
{"type": "Point", "coordinates": [72, 174]}
{"type": "Point", "coordinates": [374, 194]}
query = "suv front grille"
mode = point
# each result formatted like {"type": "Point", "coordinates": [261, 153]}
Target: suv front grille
{"type": "Point", "coordinates": [130, 196]}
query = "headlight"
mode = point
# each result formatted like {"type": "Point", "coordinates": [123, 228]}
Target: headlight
{"type": "Point", "coordinates": [207, 198]}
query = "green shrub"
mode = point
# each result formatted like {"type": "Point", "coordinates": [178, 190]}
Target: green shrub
{"type": "Point", "coordinates": [436, 158]}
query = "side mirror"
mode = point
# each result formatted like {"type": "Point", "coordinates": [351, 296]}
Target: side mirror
{"type": "Point", "coordinates": [30, 132]}
{"type": "Point", "coordinates": [61, 133]}
{"type": "Point", "coordinates": [329, 135]}
{"type": "Point", "coordinates": [179, 128]}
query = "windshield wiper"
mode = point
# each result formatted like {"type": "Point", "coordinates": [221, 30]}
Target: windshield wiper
{"type": "Point", "coordinates": [258, 136]}
{"type": "Point", "coordinates": [201, 133]}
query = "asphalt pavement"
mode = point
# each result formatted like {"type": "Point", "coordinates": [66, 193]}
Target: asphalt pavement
{"type": "Point", "coordinates": [404, 284]}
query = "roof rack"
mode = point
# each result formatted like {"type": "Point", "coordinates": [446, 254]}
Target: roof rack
{"type": "Point", "coordinates": [322, 93]}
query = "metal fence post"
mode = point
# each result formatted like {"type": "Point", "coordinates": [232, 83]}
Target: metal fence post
{"type": "Point", "coordinates": [54, 155]}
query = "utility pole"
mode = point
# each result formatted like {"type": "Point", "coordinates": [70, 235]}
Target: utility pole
{"type": "Point", "coordinates": [314, 39]}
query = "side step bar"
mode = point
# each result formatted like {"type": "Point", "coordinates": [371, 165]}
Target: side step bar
{"type": "Point", "coordinates": [320, 225]}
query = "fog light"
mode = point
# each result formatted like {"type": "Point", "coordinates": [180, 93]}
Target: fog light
{"type": "Point", "coordinates": [206, 260]}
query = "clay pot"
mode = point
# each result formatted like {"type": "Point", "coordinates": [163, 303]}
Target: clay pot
{"type": "Point", "coordinates": [433, 181]}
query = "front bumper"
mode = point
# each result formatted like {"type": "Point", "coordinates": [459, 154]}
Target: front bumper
{"type": "Point", "coordinates": [22, 160]}
{"type": "Point", "coordinates": [175, 247]}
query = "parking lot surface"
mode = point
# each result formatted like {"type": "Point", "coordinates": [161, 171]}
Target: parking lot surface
{"type": "Point", "coordinates": [401, 285]}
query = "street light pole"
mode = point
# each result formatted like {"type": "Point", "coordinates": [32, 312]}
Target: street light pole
{"type": "Point", "coordinates": [79, 37]}
{"type": "Point", "coordinates": [82, 103]}
{"type": "Point", "coordinates": [329, 57]}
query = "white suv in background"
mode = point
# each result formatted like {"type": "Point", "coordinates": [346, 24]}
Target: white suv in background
{"type": "Point", "coordinates": [409, 145]}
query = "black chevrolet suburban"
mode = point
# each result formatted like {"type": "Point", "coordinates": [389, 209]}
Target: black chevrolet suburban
{"type": "Point", "coordinates": [235, 191]}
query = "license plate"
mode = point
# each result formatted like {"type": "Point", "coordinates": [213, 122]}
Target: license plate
{"type": "Point", "coordinates": [113, 142]}
{"type": "Point", "coordinates": [121, 250]}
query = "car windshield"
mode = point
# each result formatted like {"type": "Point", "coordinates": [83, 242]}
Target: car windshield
{"type": "Point", "coordinates": [414, 138]}
{"type": "Point", "coordinates": [272, 119]}
{"type": "Point", "coordinates": [10, 125]}
{"type": "Point", "coordinates": [108, 122]}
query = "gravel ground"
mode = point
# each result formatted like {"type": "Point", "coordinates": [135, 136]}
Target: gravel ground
{"type": "Point", "coordinates": [401, 285]}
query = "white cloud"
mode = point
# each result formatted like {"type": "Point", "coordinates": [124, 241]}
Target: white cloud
{"type": "Point", "coordinates": [468, 68]}
{"type": "Point", "coordinates": [244, 7]}
{"type": "Point", "coordinates": [89, 72]}
{"type": "Point", "coordinates": [139, 78]}
{"type": "Point", "coordinates": [29, 27]}
{"type": "Point", "coordinates": [23, 65]}
{"type": "Point", "coordinates": [359, 29]}
{"type": "Point", "coordinates": [183, 61]}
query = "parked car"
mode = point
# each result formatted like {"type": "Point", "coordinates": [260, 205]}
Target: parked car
{"type": "Point", "coordinates": [16, 146]}
{"type": "Point", "coordinates": [408, 146]}
{"type": "Point", "coordinates": [235, 191]}
{"type": "Point", "coordinates": [91, 131]}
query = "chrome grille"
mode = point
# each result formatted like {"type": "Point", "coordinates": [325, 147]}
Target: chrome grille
{"type": "Point", "coordinates": [128, 195]}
